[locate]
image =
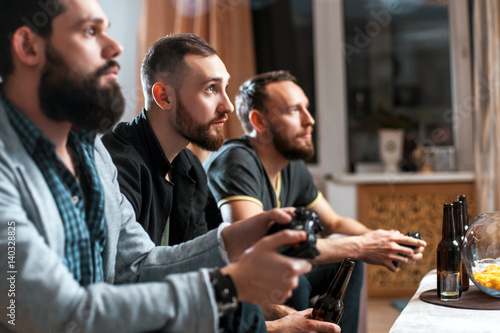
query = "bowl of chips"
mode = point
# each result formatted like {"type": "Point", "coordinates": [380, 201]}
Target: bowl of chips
{"type": "Point", "coordinates": [481, 252]}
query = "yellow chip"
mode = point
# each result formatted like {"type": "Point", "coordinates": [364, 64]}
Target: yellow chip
{"type": "Point", "coordinates": [489, 278]}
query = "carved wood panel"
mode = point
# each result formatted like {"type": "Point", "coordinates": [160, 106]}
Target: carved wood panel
{"type": "Point", "coordinates": [407, 207]}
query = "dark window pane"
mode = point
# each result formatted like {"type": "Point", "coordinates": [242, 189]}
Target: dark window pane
{"type": "Point", "coordinates": [398, 74]}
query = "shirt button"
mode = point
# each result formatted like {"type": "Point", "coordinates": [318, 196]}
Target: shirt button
{"type": "Point", "coordinates": [75, 199]}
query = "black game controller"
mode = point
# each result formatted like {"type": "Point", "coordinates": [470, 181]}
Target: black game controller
{"type": "Point", "coordinates": [413, 235]}
{"type": "Point", "coordinates": [308, 221]}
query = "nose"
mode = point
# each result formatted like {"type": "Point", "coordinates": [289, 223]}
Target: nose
{"type": "Point", "coordinates": [225, 106]}
{"type": "Point", "coordinates": [307, 118]}
{"type": "Point", "coordinates": [111, 48]}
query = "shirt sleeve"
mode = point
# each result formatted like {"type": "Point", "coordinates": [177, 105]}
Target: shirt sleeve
{"type": "Point", "coordinates": [235, 174]}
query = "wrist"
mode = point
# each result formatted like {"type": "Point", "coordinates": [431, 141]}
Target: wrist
{"type": "Point", "coordinates": [276, 311]}
{"type": "Point", "coordinates": [228, 236]}
{"type": "Point", "coordinates": [357, 246]}
{"type": "Point", "coordinates": [336, 249]}
{"type": "Point", "coordinates": [272, 326]}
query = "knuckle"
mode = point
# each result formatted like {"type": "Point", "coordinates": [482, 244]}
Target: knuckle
{"type": "Point", "coordinates": [392, 247]}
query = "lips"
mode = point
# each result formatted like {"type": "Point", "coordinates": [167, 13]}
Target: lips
{"type": "Point", "coordinates": [220, 122]}
{"type": "Point", "coordinates": [306, 134]}
{"type": "Point", "coordinates": [112, 73]}
{"type": "Point", "coordinates": [110, 70]}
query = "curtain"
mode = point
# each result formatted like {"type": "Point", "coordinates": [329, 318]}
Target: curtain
{"type": "Point", "coordinates": [225, 24]}
{"type": "Point", "coordinates": [487, 103]}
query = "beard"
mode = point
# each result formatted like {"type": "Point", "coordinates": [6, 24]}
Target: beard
{"type": "Point", "coordinates": [288, 149]}
{"type": "Point", "coordinates": [197, 133]}
{"type": "Point", "coordinates": [80, 100]}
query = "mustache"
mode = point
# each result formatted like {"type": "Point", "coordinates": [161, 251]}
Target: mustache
{"type": "Point", "coordinates": [110, 64]}
{"type": "Point", "coordinates": [308, 130]}
{"type": "Point", "coordinates": [223, 117]}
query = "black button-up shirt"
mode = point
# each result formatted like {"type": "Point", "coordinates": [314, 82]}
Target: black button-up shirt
{"type": "Point", "coordinates": [142, 167]}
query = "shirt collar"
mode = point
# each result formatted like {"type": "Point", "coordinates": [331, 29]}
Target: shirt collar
{"type": "Point", "coordinates": [28, 133]}
{"type": "Point", "coordinates": [180, 163]}
{"type": "Point", "coordinates": [163, 163]}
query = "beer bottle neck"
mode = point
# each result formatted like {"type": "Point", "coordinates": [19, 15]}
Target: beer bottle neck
{"type": "Point", "coordinates": [459, 219]}
{"type": "Point", "coordinates": [339, 284]}
{"type": "Point", "coordinates": [463, 200]}
{"type": "Point", "coordinates": [448, 230]}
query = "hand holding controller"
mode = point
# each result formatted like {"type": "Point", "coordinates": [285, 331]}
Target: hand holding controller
{"type": "Point", "coordinates": [413, 235]}
{"type": "Point", "coordinates": [308, 221]}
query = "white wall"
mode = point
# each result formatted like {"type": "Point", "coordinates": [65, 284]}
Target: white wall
{"type": "Point", "coordinates": [124, 17]}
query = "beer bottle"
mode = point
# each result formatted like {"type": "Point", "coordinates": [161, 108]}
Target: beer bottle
{"type": "Point", "coordinates": [459, 227]}
{"type": "Point", "coordinates": [448, 254]}
{"type": "Point", "coordinates": [330, 306]}
{"type": "Point", "coordinates": [462, 198]}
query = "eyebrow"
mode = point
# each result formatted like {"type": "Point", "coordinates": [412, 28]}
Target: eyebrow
{"type": "Point", "coordinates": [215, 79]}
{"type": "Point", "coordinates": [96, 20]}
{"type": "Point", "coordinates": [307, 105]}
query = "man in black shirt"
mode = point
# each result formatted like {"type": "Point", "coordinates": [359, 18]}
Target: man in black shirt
{"type": "Point", "coordinates": [164, 180]}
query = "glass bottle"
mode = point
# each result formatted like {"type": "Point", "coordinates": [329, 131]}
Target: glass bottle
{"type": "Point", "coordinates": [330, 306]}
{"type": "Point", "coordinates": [448, 258]}
{"type": "Point", "coordinates": [460, 229]}
{"type": "Point", "coordinates": [463, 199]}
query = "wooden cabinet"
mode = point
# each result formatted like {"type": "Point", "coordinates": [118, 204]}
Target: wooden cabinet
{"type": "Point", "coordinates": [407, 207]}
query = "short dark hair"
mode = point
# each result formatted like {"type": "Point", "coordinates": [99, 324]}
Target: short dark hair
{"type": "Point", "coordinates": [35, 14]}
{"type": "Point", "coordinates": [165, 59]}
{"type": "Point", "coordinates": [252, 94]}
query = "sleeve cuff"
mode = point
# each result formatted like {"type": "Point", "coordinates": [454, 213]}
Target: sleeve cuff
{"type": "Point", "coordinates": [222, 248]}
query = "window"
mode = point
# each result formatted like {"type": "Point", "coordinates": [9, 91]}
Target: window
{"type": "Point", "coordinates": [397, 57]}
{"type": "Point", "coordinates": [409, 59]}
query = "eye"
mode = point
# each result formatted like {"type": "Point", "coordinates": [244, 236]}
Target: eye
{"type": "Point", "coordinates": [90, 31]}
{"type": "Point", "coordinates": [210, 89]}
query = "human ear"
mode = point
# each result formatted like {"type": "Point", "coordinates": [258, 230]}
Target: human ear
{"type": "Point", "coordinates": [258, 120]}
{"type": "Point", "coordinates": [161, 95]}
{"type": "Point", "coordinates": [27, 46]}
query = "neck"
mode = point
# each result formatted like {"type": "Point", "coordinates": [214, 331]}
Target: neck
{"type": "Point", "coordinates": [170, 141]}
{"type": "Point", "coordinates": [272, 160]}
{"type": "Point", "coordinates": [24, 95]}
